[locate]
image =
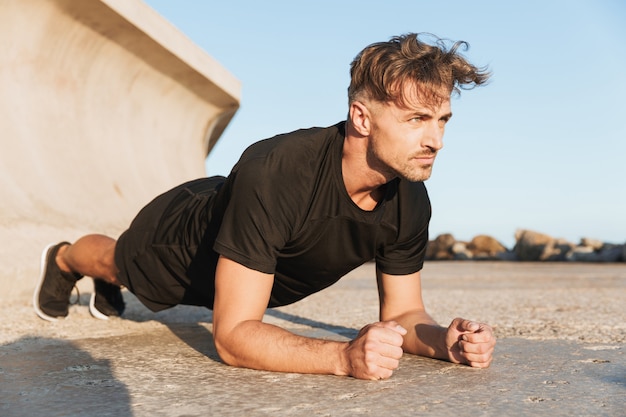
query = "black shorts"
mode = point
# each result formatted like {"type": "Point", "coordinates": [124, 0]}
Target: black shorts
{"type": "Point", "coordinates": [165, 257]}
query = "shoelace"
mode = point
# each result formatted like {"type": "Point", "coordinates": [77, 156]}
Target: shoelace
{"type": "Point", "coordinates": [77, 301]}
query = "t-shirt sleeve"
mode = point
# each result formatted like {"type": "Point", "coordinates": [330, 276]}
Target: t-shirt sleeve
{"type": "Point", "coordinates": [406, 254]}
{"type": "Point", "coordinates": [405, 257]}
{"type": "Point", "coordinates": [257, 220]}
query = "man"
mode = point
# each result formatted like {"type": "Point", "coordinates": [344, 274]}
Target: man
{"type": "Point", "coordinates": [297, 212]}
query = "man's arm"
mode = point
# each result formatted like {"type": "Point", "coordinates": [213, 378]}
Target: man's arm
{"type": "Point", "coordinates": [464, 341]}
{"type": "Point", "coordinates": [242, 339]}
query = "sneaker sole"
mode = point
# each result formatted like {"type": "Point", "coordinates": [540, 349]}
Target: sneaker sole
{"type": "Point", "coordinates": [93, 310]}
{"type": "Point", "coordinates": [42, 273]}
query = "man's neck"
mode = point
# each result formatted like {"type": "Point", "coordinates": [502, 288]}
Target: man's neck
{"type": "Point", "coordinates": [365, 185]}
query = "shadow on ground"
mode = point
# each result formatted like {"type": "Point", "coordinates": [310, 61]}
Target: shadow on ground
{"type": "Point", "coordinates": [47, 377]}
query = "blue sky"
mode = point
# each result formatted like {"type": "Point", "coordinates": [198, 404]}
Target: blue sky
{"type": "Point", "coordinates": [542, 147]}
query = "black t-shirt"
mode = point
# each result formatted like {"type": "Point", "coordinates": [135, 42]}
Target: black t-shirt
{"type": "Point", "coordinates": [284, 210]}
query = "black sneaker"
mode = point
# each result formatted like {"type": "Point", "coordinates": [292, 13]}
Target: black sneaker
{"type": "Point", "coordinates": [51, 299]}
{"type": "Point", "coordinates": [106, 300]}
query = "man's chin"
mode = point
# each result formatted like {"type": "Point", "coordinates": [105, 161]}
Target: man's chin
{"type": "Point", "coordinates": [419, 176]}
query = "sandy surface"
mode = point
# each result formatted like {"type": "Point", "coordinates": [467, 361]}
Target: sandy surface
{"type": "Point", "coordinates": [581, 302]}
{"type": "Point", "coordinates": [561, 330]}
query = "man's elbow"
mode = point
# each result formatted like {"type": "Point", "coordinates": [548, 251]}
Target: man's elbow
{"type": "Point", "coordinates": [224, 351]}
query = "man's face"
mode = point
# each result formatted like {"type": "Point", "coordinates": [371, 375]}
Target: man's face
{"type": "Point", "coordinates": [404, 140]}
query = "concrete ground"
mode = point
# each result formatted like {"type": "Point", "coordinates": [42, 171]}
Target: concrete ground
{"type": "Point", "coordinates": [561, 331]}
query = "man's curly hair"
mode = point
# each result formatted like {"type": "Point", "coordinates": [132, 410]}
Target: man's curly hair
{"type": "Point", "coordinates": [383, 70]}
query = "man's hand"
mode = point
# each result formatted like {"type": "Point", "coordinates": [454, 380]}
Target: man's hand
{"type": "Point", "coordinates": [375, 353]}
{"type": "Point", "coordinates": [470, 343]}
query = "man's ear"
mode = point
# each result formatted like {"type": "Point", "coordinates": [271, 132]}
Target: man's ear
{"type": "Point", "coordinates": [360, 118]}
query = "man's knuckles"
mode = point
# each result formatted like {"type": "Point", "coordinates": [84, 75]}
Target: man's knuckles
{"type": "Point", "coordinates": [477, 348]}
{"type": "Point", "coordinates": [384, 346]}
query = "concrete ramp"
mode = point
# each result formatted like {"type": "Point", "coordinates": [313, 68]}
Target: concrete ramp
{"type": "Point", "coordinates": [104, 104]}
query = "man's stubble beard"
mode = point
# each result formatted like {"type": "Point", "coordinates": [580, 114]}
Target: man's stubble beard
{"type": "Point", "coordinates": [403, 168]}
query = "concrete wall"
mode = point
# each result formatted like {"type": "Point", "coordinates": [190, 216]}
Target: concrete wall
{"type": "Point", "coordinates": [103, 105]}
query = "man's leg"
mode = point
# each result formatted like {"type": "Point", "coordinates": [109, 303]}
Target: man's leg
{"type": "Point", "coordinates": [155, 280]}
{"type": "Point", "coordinates": [94, 256]}
{"type": "Point", "coordinates": [91, 255]}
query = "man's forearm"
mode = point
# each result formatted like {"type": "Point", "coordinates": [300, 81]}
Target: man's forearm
{"type": "Point", "coordinates": [258, 345]}
{"type": "Point", "coordinates": [425, 337]}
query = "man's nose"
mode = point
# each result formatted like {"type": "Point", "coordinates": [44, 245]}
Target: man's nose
{"type": "Point", "coordinates": [433, 137]}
